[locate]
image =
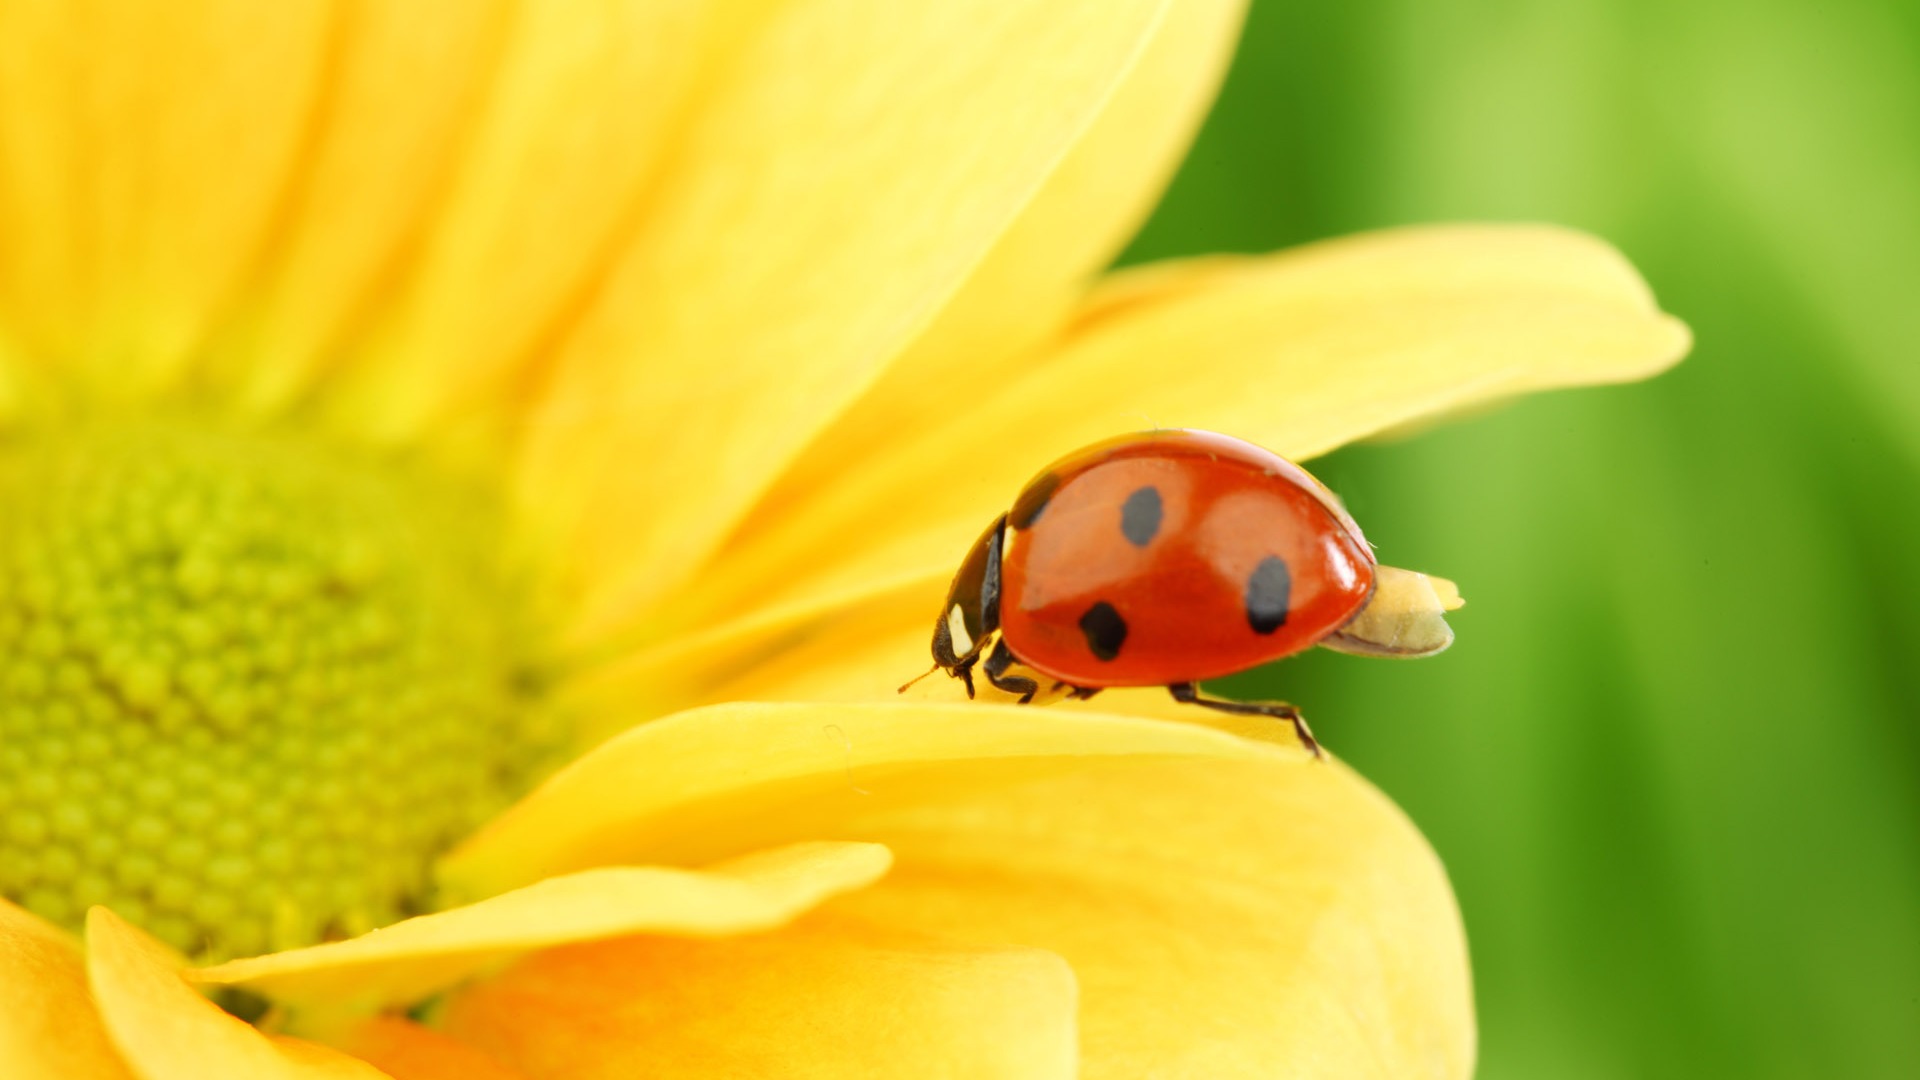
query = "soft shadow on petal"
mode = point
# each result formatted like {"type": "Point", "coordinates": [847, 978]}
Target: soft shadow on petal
{"type": "Point", "coordinates": [409, 960]}
{"type": "Point", "coordinates": [717, 781]}
{"type": "Point", "coordinates": [845, 171]}
{"type": "Point", "coordinates": [405, 1050]}
{"type": "Point", "coordinates": [824, 998]}
{"type": "Point", "coordinates": [149, 150]}
{"type": "Point", "coordinates": [1299, 352]}
{"type": "Point", "coordinates": [1267, 919]}
{"type": "Point", "coordinates": [48, 1027]}
{"type": "Point", "coordinates": [169, 1032]}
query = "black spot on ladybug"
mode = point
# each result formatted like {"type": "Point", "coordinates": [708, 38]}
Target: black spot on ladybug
{"type": "Point", "coordinates": [1268, 591]}
{"type": "Point", "coordinates": [1032, 500]}
{"type": "Point", "coordinates": [1106, 631]}
{"type": "Point", "coordinates": [1140, 516]}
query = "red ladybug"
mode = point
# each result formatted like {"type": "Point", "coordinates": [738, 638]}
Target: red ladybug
{"type": "Point", "coordinates": [1169, 557]}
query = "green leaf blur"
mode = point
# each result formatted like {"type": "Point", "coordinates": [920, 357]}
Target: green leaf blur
{"type": "Point", "coordinates": [1673, 763]}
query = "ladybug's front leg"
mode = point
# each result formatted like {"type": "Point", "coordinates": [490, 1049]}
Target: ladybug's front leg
{"type": "Point", "coordinates": [1190, 694]}
{"type": "Point", "coordinates": [964, 672]}
{"type": "Point", "coordinates": [996, 667]}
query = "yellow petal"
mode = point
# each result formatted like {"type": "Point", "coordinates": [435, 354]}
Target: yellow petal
{"type": "Point", "coordinates": [1299, 352]}
{"type": "Point", "coordinates": [850, 166]}
{"type": "Point", "coordinates": [585, 98]}
{"type": "Point", "coordinates": [1030, 282]}
{"type": "Point", "coordinates": [1271, 918]}
{"type": "Point", "coordinates": [863, 652]}
{"type": "Point", "coordinates": [150, 147]}
{"type": "Point", "coordinates": [858, 642]}
{"type": "Point", "coordinates": [43, 274]}
{"type": "Point", "coordinates": [383, 149]}
{"type": "Point", "coordinates": [713, 782]}
{"type": "Point", "coordinates": [169, 1032]}
{"type": "Point", "coordinates": [818, 1000]}
{"type": "Point", "coordinates": [48, 1027]}
{"type": "Point", "coordinates": [411, 959]}
{"type": "Point", "coordinates": [10, 388]}
{"type": "Point", "coordinates": [407, 1051]}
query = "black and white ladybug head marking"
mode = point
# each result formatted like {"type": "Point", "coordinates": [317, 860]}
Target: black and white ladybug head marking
{"type": "Point", "coordinates": [972, 610]}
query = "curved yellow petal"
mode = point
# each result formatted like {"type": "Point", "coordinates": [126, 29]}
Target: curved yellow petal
{"type": "Point", "coordinates": [1269, 919]}
{"type": "Point", "coordinates": [821, 999]}
{"type": "Point", "coordinates": [1299, 352]}
{"type": "Point", "coordinates": [411, 959]}
{"type": "Point", "coordinates": [854, 160]}
{"type": "Point", "coordinates": [149, 150]}
{"type": "Point", "coordinates": [584, 102]}
{"type": "Point", "coordinates": [713, 782]}
{"type": "Point", "coordinates": [1245, 908]}
{"type": "Point", "coordinates": [167, 1031]}
{"type": "Point", "coordinates": [1029, 284]}
{"type": "Point", "coordinates": [48, 1027]}
{"type": "Point", "coordinates": [405, 1050]}
{"type": "Point", "coordinates": [1316, 347]}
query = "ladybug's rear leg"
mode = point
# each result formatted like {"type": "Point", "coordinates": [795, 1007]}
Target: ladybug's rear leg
{"type": "Point", "coordinates": [996, 667]}
{"type": "Point", "coordinates": [1190, 694]}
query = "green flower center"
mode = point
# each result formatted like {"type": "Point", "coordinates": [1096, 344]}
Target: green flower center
{"type": "Point", "coordinates": [250, 685]}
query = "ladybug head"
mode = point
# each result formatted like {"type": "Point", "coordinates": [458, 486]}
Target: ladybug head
{"type": "Point", "coordinates": [972, 609]}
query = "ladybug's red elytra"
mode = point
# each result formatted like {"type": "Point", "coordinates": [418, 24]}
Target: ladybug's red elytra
{"type": "Point", "coordinates": [1165, 558]}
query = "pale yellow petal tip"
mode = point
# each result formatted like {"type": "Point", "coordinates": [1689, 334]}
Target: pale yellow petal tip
{"type": "Point", "coordinates": [1405, 618]}
{"type": "Point", "coordinates": [1668, 341]}
{"type": "Point", "coordinates": [1447, 591]}
{"type": "Point", "coordinates": [108, 929]}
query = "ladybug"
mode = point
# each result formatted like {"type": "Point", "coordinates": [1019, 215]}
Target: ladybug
{"type": "Point", "coordinates": [1170, 557]}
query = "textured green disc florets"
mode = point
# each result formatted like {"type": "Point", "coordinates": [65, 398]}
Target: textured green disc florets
{"type": "Point", "coordinates": [249, 685]}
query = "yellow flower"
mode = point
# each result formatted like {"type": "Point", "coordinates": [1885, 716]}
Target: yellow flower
{"type": "Point", "coordinates": [397, 399]}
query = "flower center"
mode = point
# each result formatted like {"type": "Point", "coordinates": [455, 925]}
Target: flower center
{"type": "Point", "coordinates": [250, 685]}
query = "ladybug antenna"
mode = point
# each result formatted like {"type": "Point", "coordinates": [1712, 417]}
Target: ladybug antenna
{"type": "Point", "coordinates": [917, 678]}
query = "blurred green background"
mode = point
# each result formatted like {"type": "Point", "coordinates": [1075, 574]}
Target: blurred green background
{"type": "Point", "coordinates": [1673, 762]}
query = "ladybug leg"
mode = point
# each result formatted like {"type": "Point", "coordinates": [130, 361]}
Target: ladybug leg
{"type": "Point", "coordinates": [1079, 693]}
{"type": "Point", "coordinates": [964, 672]}
{"type": "Point", "coordinates": [996, 667]}
{"type": "Point", "coordinates": [1189, 694]}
